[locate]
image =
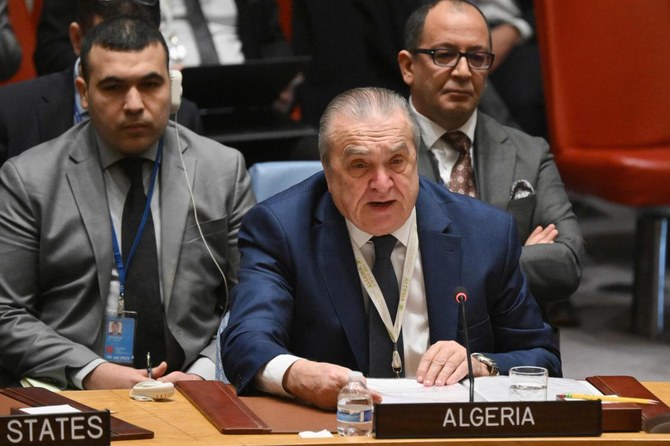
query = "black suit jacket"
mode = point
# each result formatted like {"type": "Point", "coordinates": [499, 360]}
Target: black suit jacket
{"type": "Point", "coordinates": [40, 109]}
{"type": "Point", "coordinates": [259, 31]}
{"type": "Point", "coordinates": [53, 50]}
{"type": "Point", "coordinates": [353, 43]}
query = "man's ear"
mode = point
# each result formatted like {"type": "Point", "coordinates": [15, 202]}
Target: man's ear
{"type": "Point", "coordinates": [83, 91]}
{"type": "Point", "coordinates": [405, 62]}
{"type": "Point", "coordinates": [326, 171]}
{"type": "Point", "coordinates": [76, 37]}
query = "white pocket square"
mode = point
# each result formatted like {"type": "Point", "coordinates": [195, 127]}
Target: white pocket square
{"type": "Point", "coordinates": [521, 189]}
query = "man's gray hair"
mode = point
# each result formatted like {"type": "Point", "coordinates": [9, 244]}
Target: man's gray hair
{"type": "Point", "coordinates": [361, 104]}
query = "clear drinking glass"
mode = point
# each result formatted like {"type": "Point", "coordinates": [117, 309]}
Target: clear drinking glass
{"type": "Point", "coordinates": [528, 383]}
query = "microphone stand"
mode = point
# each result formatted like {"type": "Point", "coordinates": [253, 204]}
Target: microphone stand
{"type": "Point", "coordinates": [461, 297]}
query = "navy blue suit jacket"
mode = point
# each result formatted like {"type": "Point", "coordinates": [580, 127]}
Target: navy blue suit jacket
{"type": "Point", "coordinates": [299, 291]}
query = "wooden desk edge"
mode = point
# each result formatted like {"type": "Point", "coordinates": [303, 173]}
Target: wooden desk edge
{"type": "Point", "coordinates": [177, 422]}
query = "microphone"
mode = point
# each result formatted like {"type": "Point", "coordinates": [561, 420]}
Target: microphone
{"type": "Point", "coordinates": [461, 295]}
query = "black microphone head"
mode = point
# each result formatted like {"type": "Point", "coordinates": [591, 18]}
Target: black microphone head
{"type": "Point", "coordinates": [460, 294]}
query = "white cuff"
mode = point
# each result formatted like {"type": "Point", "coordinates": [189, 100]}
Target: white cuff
{"type": "Point", "coordinates": [77, 379]}
{"type": "Point", "coordinates": [525, 30]}
{"type": "Point", "coordinates": [203, 367]}
{"type": "Point", "coordinates": [270, 377]}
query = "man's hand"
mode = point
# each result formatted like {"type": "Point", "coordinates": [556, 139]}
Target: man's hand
{"type": "Point", "coordinates": [445, 363]}
{"type": "Point", "coordinates": [318, 382]}
{"type": "Point", "coordinates": [315, 382]}
{"type": "Point", "coordinates": [542, 235]}
{"type": "Point", "coordinates": [504, 38]}
{"type": "Point", "coordinates": [114, 376]}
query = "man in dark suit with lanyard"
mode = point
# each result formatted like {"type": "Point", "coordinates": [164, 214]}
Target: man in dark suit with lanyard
{"type": "Point", "coordinates": [357, 267]}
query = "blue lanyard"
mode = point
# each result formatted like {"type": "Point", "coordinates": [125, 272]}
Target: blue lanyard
{"type": "Point", "coordinates": [120, 267]}
{"type": "Point", "coordinates": [77, 114]}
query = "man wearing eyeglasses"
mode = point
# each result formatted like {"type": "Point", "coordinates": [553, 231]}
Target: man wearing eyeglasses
{"type": "Point", "coordinates": [446, 61]}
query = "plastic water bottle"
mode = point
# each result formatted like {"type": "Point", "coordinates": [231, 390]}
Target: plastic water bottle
{"type": "Point", "coordinates": [354, 408]}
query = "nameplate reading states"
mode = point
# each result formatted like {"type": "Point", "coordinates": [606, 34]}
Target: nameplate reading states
{"type": "Point", "coordinates": [71, 429]}
{"type": "Point", "coordinates": [499, 419]}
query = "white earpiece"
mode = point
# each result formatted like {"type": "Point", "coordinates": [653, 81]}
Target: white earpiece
{"type": "Point", "coordinates": [175, 90]}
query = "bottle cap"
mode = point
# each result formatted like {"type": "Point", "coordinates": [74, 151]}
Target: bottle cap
{"type": "Point", "coordinates": [355, 375]}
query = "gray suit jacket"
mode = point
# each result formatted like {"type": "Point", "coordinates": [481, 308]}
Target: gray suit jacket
{"type": "Point", "coordinates": [503, 156]}
{"type": "Point", "coordinates": [56, 245]}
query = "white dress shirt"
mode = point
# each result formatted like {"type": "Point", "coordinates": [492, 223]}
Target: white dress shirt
{"type": "Point", "coordinates": [446, 155]}
{"type": "Point", "coordinates": [221, 16]}
{"type": "Point", "coordinates": [506, 11]}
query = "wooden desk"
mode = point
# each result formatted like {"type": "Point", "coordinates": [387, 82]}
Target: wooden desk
{"type": "Point", "coordinates": [176, 422]}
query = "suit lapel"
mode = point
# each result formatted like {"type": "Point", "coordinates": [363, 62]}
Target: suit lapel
{"type": "Point", "coordinates": [86, 180]}
{"type": "Point", "coordinates": [495, 159]}
{"type": "Point", "coordinates": [441, 259]}
{"type": "Point", "coordinates": [336, 262]}
{"type": "Point", "coordinates": [88, 188]}
{"type": "Point", "coordinates": [440, 255]}
{"type": "Point", "coordinates": [174, 203]}
{"type": "Point", "coordinates": [427, 163]}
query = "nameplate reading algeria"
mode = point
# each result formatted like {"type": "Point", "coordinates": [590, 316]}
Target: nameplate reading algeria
{"type": "Point", "coordinates": [72, 429]}
{"type": "Point", "coordinates": [488, 419]}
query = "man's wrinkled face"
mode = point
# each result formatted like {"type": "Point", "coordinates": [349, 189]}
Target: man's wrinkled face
{"type": "Point", "coordinates": [371, 171]}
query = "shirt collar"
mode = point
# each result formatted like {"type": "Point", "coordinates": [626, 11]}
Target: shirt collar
{"type": "Point", "coordinates": [109, 156]}
{"type": "Point", "coordinates": [361, 237]}
{"type": "Point", "coordinates": [431, 132]}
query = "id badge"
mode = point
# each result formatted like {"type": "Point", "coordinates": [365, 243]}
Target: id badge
{"type": "Point", "coordinates": [120, 337]}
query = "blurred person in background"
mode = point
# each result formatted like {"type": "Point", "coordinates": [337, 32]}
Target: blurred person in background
{"type": "Point", "coordinates": [10, 50]}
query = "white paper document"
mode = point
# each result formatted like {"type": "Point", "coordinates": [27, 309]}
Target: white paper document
{"type": "Point", "coordinates": [407, 390]}
{"type": "Point", "coordinates": [487, 388]}
{"type": "Point", "coordinates": [50, 410]}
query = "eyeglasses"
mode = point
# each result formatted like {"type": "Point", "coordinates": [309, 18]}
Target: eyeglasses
{"type": "Point", "coordinates": [139, 2]}
{"type": "Point", "coordinates": [442, 57]}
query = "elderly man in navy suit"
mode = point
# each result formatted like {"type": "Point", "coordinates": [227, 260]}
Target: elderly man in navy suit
{"type": "Point", "coordinates": [315, 299]}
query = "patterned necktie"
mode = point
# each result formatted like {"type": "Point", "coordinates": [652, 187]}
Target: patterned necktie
{"type": "Point", "coordinates": [142, 292]}
{"type": "Point", "coordinates": [381, 347]}
{"type": "Point", "coordinates": [462, 178]}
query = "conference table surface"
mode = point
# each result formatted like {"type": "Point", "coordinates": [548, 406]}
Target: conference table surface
{"type": "Point", "coordinates": [177, 422]}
